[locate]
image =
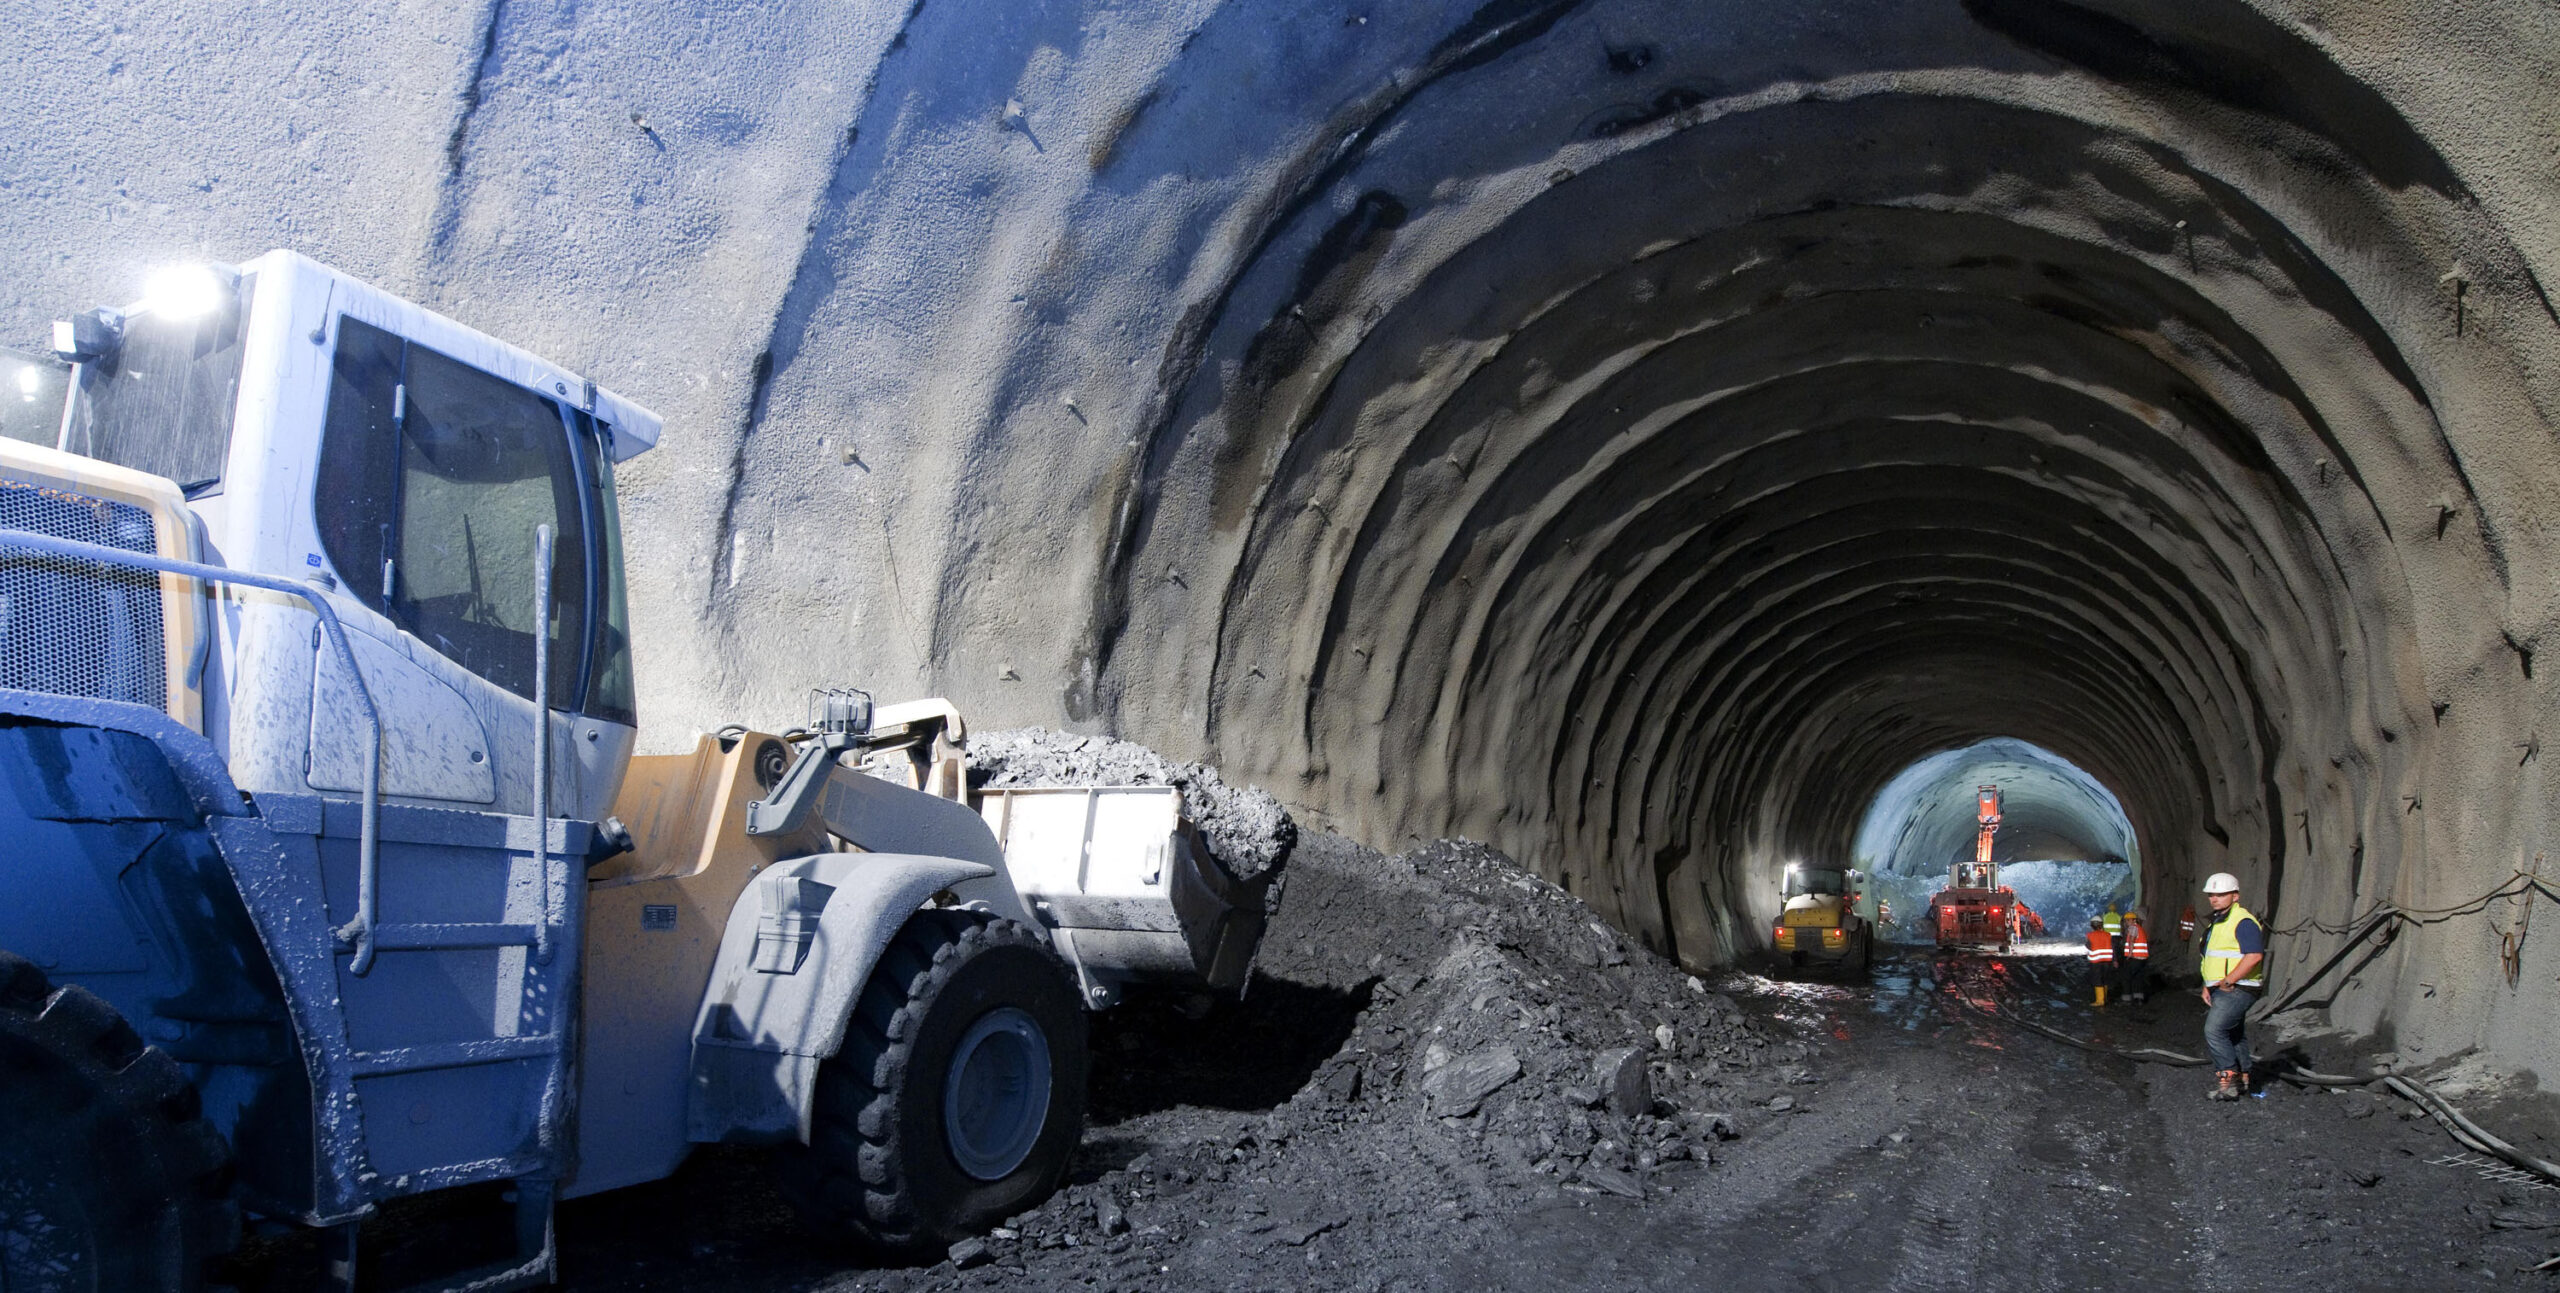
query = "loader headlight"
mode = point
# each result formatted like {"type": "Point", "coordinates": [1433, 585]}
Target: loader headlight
{"type": "Point", "coordinates": [188, 292]}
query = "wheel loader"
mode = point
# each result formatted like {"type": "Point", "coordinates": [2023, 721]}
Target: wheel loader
{"type": "Point", "coordinates": [1822, 919]}
{"type": "Point", "coordinates": [332, 877]}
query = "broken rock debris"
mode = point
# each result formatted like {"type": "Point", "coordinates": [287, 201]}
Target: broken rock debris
{"type": "Point", "coordinates": [1246, 830]}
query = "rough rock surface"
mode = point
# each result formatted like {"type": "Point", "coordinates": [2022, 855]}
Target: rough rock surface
{"type": "Point", "coordinates": [1246, 829]}
{"type": "Point", "coordinates": [1422, 1051]}
{"type": "Point", "coordinates": [1625, 431]}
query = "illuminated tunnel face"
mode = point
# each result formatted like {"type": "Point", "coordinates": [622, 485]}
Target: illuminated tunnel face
{"type": "Point", "coordinates": [2064, 844]}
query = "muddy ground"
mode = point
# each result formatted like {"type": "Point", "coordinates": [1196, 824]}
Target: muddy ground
{"type": "Point", "coordinates": [1447, 1075]}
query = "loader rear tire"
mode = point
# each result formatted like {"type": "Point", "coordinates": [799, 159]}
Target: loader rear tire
{"type": "Point", "coordinates": [958, 1097]}
{"type": "Point", "coordinates": [109, 1179]}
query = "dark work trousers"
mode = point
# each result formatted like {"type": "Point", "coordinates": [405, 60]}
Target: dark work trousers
{"type": "Point", "coordinates": [2132, 976]}
{"type": "Point", "coordinates": [2226, 1029]}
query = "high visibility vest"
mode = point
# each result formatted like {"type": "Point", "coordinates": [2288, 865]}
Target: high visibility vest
{"type": "Point", "coordinates": [2114, 921]}
{"type": "Point", "coordinates": [2137, 941]}
{"type": "Point", "coordinates": [2186, 924]}
{"type": "Point", "coordinates": [2222, 949]}
{"type": "Point", "coordinates": [2101, 948]}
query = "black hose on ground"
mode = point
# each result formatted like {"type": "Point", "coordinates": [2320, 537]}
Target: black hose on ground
{"type": "Point", "coordinates": [2470, 1134]}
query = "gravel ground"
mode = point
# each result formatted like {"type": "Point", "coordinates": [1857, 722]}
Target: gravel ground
{"type": "Point", "coordinates": [1447, 1077]}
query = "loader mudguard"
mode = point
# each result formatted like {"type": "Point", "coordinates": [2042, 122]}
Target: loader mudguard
{"type": "Point", "coordinates": [799, 945]}
{"type": "Point", "coordinates": [132, 865]}
{"type": "Point", "coordinates": [120, 875]}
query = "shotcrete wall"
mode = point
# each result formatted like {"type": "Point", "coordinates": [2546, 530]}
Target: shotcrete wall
{"type": "Point", "coordinates": [1625, 431]}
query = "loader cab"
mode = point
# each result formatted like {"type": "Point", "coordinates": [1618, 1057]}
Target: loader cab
{"type": "Point", "coordinates": [1817, 882]}
{"type": "Point", "coordinates": [399, 463]}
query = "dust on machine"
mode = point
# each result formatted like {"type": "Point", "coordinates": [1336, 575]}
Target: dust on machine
{"type": "Point", "coordinates": [333, 877]}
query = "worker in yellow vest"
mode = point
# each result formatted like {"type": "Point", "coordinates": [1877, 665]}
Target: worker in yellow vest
{"type": "Point", "coordinates": [2235, 973]}
{"type": "Point", "coordinates": [2113, 920]}
{"type": "Point", "coordinates": [2133, 960]}
{"type": "Point", "coordinates": [2102, 957]}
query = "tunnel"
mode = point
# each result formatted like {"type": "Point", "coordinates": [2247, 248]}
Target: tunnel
{"type": "Point", "coordinates": [2063, 843]}
{"type": "Point", "coordinates": [1630, 433]}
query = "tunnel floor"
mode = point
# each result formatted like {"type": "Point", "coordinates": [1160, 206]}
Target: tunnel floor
{"type": "Point", "coordinates": [1887, 1131]}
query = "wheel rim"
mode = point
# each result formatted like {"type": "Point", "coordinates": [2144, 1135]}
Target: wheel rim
{"type": "Point", "coordinates": [995, 1096]}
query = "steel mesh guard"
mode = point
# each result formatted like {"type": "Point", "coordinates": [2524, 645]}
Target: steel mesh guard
{"type": "Point", "coordinates": [77, 628]}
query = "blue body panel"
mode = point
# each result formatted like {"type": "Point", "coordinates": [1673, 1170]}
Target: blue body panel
{"type": "Point", "coordinates": [134, 867]}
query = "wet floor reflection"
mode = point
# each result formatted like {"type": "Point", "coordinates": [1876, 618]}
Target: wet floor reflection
{"type": "Point", "coordinates": [1929, 996]}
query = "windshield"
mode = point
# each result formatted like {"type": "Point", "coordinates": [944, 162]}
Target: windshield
{"type": "Point", "coordinates": [163, 401]}
{"type": "Point", "coordinates": [1831, 883]}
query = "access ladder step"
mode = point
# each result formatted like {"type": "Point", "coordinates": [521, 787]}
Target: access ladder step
{"type": "Point", "coordinates": [453, 1055]}
{"type": "Point", "coordinates": [423, 937]}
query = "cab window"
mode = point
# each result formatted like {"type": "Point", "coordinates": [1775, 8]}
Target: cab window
{"type": "Point", "coordinates": [1828, 883]}
{"type": "Point", "coordinates": [433, 476]}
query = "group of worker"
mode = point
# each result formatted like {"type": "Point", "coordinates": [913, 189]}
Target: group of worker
{"type": "Point", "coordinates": [2234, 970]}
{"type": "Point", "coordinates": [2120, 955]}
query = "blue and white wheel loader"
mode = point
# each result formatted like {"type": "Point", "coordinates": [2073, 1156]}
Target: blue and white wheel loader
{"type": "Point", "coordinates": [328, 874]}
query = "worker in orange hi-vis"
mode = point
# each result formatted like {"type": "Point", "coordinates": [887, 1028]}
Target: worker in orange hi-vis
{"type": "Point", "coordinates": [2134, 965]}
{"type": "Point", "coordinates": [2187, 924]}
{"type": "Point", "coordinates": [2102, 956]}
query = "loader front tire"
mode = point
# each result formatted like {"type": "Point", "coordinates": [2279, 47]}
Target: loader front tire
{"type": "Point", "coordinates": [109, 1179]}
{"type": "Point", "coordinates": [958, 1097]}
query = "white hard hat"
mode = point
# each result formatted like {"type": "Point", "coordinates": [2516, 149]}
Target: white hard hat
{"type": "Point", "coordinates": [2222, 882]}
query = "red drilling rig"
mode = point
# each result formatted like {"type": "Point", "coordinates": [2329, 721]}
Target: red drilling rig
{"type": "Point", "coordinates": [1975, 909]}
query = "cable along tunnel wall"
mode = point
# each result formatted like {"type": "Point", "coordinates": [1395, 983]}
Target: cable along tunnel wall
{"type": "Point", "coordinates": [1628, 433]}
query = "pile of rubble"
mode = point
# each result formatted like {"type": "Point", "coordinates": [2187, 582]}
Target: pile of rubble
{"type": "Point", "coordinates": [1246, 829]}
{"type": "Point", "coordinates": [1436, 1040]}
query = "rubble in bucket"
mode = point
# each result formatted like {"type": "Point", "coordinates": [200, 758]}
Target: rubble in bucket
{"type": "Point", "coordinates": [1246, 830]}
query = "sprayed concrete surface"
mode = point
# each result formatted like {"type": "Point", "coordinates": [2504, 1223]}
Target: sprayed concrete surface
{"type": "Point", "coordinates": [1625, 431]}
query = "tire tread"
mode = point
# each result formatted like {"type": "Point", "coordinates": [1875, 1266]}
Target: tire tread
{"type": "Point", "coordinates": [110, 1073]}
{"type": "Point", "coordinates": [848, 1180]}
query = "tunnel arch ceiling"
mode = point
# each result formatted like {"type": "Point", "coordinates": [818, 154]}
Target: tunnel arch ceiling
{"type": "Point", "coordinates": [1924, 818]}
{"type": "Point", "coordinates": [1628, 432]}
{"type": "Point", "coordinates": [1632, 445]}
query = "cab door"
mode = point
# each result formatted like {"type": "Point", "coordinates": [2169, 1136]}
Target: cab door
{"type": "Point", "coordinates": [432, 478]}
